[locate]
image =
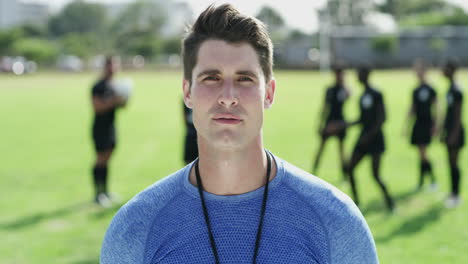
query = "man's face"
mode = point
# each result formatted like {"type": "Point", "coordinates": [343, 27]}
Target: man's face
{"type": "Point", "coordinates": [362, 76]}
{"type": "Point", "coordinates": [447, 72]}
{"type": "Point", "coordinates": [421, 73]}
{"type": "Point", "coordinates": [110, 67]}
{"type": "Point", "coordinates": [228, 94]}
{"type": "Point", "coordinates": [339, 77]}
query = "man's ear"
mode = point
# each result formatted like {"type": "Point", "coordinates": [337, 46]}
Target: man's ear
{"type": "Point", "coordinates": [187, 94]}
{"type": "Point", "coordinates": [269, 93]}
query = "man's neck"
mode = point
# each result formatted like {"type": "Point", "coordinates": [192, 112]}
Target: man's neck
{"type": "Point", "coordinates": [226, 172]}
{"type": "Point", "coordinates": [451, 81]}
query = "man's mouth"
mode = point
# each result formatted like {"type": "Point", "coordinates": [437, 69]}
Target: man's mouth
{"type": "Point", "coordinates": [227, 119]}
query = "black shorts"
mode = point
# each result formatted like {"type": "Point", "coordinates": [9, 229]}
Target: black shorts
{"type": "Point", "coordinates": [104, 138]}
{"type": "Point", "coordinates": [460, 142]}
{"type": "Point", "coordinates": [191, 147]}
{"type": "Point", "coordinates": [422, 133]}
{"type": "Point", "coordinates": [341, 135]}
{"type": "Point", "coordinates": [374, 146]}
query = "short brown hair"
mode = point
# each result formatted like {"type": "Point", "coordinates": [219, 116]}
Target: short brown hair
{"type": "Point", "coordinates": [226, 23]}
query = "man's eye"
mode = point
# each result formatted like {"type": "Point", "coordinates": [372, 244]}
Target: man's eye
{"type": "Point", "coordinates": [211, 78]}
{"type": "Point", "coordinates": [245, 79]}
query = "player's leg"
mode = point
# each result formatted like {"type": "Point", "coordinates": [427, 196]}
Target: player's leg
{"type": "Point", "coordinates": [423, 164]}
{"type": "Point", "coordinates": [376, 158]}
{"type": "Point", "coordinates": [319, 154]}
{"type": "Point", "coordinates": [428, 166]}
{"type": "Point", "coordinates": [100, 171]}
{"type": "Point", "coordinates": [342, 157]}
{"type": "Point", "coordinates": [455, 175]}
{"type": "Point", "coordinates": [356, 157]}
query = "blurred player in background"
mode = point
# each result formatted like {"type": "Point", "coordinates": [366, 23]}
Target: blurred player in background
{"type": "Point", "coordinates": [453, 133]}
{"type": "Point", "coordinates": [335, 98]}
{"type": "Point", "coordinates": [105, 102]}
{"type": "Point", "coordinates": [424, 111]}
{"type": "Point", "coordinates": [190, 146]}
{"type": "Point", "coordinates": [371, 140]}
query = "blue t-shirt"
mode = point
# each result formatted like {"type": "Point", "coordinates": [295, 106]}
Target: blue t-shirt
{"type": "Point", "coordinates": [307, 221]}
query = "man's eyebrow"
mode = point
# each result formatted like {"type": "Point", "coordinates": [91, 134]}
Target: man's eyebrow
{"type": "Point", "coordinates": [208, 72]}
{"type": "Point", "coordinates": [247, 73]}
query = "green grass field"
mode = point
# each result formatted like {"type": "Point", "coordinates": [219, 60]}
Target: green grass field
{"type": "Point", "coordinates": [46, 156]}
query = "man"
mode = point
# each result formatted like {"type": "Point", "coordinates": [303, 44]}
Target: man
{"type": "Point", "coordinates": [423, 107]}
{"type": "Point", "coordinates": [105, 102]}
{"type": "Point", "coordinates": [454, 133]}
{"type": "Point", "coordinates": [190, 146]}
{"type": "Point", "coordinates": [371, 140]}
{"type": "Point", "coordinates": [237, 203]}
{"type": "Point", "coordinates": [335, 98]}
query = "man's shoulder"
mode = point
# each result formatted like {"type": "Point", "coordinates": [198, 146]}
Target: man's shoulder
{"type": "Point", "coordinates": [376, 92]}
{"type": "Point", "coordinates": [126, 236]}
{"type": "Point", "coordinates": [99, 86]}
{"type": "Point", "coordinates": [158, 194]}
{"type": "Point", "coordinates": [319, 193]}
{"type": "Point", "coordinates": [348, 234]}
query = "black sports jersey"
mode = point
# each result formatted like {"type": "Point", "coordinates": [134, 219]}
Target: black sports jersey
{"type": "Point", "coordinates": [335, 98]}
{"type": "Point", "coordinates": [423, 97]}
{"type": "Point", "coordinates": [454, 96]}
{"type": "Point", "coordinates": [369, 102]}
{"type": "Point", "coordinates": [103, 90]}
{"type": "Point", "coordinates": [189, 121]}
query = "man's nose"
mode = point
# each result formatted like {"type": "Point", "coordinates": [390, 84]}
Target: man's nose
{"type": "Point", "coordinates": [228, 96]}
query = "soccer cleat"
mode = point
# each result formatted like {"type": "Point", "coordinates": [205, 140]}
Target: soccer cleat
{"type": "Point", "coordinates": [103, 200]}
{"type": "Point", "coordinates": [452, 201]}
{"type": "Point", "coordinates": [114, 198]}
{"type": "Point", "coordinates": [433, 187]}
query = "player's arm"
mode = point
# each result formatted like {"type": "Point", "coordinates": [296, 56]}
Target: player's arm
{"type": "Point", "coordinates": [436, 114]}
{"type": "Point", "coordinates": [105, 105]}
{"type": "Point", "coordinates": [381, 117]}
{"type": "Point", "coordinates": [353, 123]}
{"type": "Point", "coordinates": [347, 93]}
{"type": "Point", "coordinates": [324, 112]}
{"type": "Point", "coordinates": [409, 118]}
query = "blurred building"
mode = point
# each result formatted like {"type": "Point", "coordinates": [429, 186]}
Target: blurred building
{"type": "Point", "coordinates": [296, 53]}
{"type": "Point", "coordinates": [14, 12]}
{"type": "Point", "coordinates": [357, 45]}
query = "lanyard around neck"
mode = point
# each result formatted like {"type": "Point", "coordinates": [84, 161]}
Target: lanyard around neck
{"type": "Point", "coordinates": [262, 214]}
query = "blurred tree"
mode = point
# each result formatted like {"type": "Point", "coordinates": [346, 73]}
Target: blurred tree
{"type": "Point", "coordinates": [403, 8]}
{"type": "Point", "coordinates": [136, 30]}
{"type": "Point", "coordinates": [274, 22]}
{"type": "Point", "coordinates": [424, 12]}
{"type": "Point", "coordinates": [79, 17]}
{"type": "Point", "coordinates": [82, 45]}
{"type": "Point", "coordinates": [171, 46]}
{"type": "Point", "coordinates": [39, 50]}
{"type": "Point", "coordinates": [140, 15]}
{"type": "Point", "coordinates": [33, 30]}
{"type": "Point", "coordinates": [8, 38]}
{"type": "Point", "coordinates": [139, 43]}
{"type": "Point", "coordinates": [296, 34]}
{"type": "Point", "coordinates": [384, 43]}
{"type": "Point", "coordinates": [457, 18]}
{"type": "Point", "coordinates": [271, 18]}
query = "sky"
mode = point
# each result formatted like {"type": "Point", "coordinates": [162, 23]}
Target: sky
{"type": "Point", "coordinates": [299, 14]}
